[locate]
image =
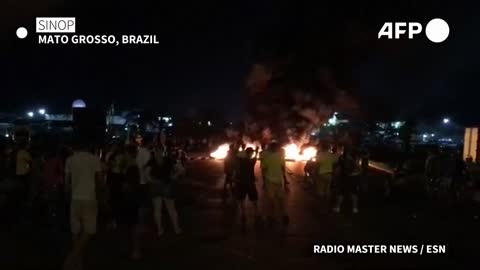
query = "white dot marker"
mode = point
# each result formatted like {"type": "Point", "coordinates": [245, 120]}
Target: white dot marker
{"type": "Point", "coordinates": [22, 32]}
{"type": "Point", "coordinates": [437, 30]}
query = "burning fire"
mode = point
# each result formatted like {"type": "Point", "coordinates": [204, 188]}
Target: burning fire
{"type": "Point", "coordinates": [292, 152]}
{"type": "Point", "coordinates": [309, 153]}
{"type": "Point", "coordinates": [221, 152]}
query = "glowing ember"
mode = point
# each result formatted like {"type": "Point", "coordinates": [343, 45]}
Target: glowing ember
{"type": "Point", "coordinates": [221, 152]}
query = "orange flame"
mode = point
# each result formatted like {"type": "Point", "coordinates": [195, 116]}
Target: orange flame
{"type": "Point", "coordinates": [294, 152]}
{"type": "Point", "coordinates": [221, 152]}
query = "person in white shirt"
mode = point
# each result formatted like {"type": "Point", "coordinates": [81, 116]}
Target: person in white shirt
{"type": "Point", "coordinates": [83, 174]}
{"type": "Point", "coordinates": [143, 156]}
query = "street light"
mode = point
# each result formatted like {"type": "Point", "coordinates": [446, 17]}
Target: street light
{"type": "Point", "coordinates": [41, 111]}
{"type": "Point", "coordinates": [30, 114]}
{"type": "Point", "coordinates": [446, 120]}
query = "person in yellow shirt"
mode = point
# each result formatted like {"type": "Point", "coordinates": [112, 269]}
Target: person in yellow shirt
{"type": "Point", "coordinates": [23, 164]}
{"type": "Point", "coordinates": [274, 179]}
{"type": "Point", "coordinates": [325, 165]}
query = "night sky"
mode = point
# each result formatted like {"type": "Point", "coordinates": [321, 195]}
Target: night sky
{"type": "Point", "coordinates": [207, 49]}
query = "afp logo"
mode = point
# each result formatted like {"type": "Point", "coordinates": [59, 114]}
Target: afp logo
{"type": "Point", "coordinates": [437, 30]}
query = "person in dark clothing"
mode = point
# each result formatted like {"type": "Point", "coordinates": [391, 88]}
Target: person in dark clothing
{"type": "Point", "coordinates": [245, 184]}
{"type": "Point", "coordinates": [460, 176]}
{"type": "Point", "coordinates": [128, 202]}
{"type": "Point", "coordinates": [162, 176]}
{"type": "Point", "coordinates": [433, 165]}
{"type": "Point", "coordinates": [229, 167]}
{"type": "Point", "coordinates": [117, 166]}
{"type": "Point", "coordinates": [436, 168]}
{"type": "Point", "coordinates": [364, 160]}
{"type": "Point", "coordinates": [347, 180]}
{"type": "Point", "coordinates": [53, 187]}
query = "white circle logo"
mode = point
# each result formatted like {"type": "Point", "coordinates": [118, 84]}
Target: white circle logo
{"type": "Point", "coordinates": [22, 32]}
{"type": "Point", "coordinates": [437, 30]}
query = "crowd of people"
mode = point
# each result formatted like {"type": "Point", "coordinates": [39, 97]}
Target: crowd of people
{"type": "Point", "coordinates": [240, 180]}
{"type": "Point", "coordinates": [124, 182]}
{"type": "Point", "coordinates": [131, 183]}
{"type": "Point", "coordinates": [342, 169]}
{"type": "Point", "coordinates": [447, 171]}
{"type": "Point", "coordinates": [334, 174]}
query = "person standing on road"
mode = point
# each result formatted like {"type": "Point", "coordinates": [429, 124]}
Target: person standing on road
{"type": "Point", "coordinates": [245, 184]}
{"type": "Point", "coordinates": [433, 170]}
{"type": "Point", "coordinates": [347, 180]}
{"type": "Point", "coordinates": [23, 165]}
{"type": "Point", "coordinates": [117, 166]}
{"type": "Point", "coordinates": [129, 202]}
{"type": "Point", "coordinates": [37, 176]}
{"type": "Point", "coordinates": [229, 168]}
{"type": "Point", "coordinates": [162, 176]}
{"type": "Point", "coordinates": [54, 186]}
{"type": "Point", "coordinates": [274, 182]}
{"type": "Point", "coordinates": [83, 177]}
{"type": "Point", "coordinates": [460, 176]}
{"type": "Point", "coordinates": [324, 172]}
{"type": "Point", "coordinates": [364, 166]}
{"type": "Point", "coordinates": [143, 157]}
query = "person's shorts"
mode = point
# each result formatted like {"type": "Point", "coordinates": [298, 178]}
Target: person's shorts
{"type": "Point", "coordinates": [83, 217]}
{"type": "Point", "coordinates": [274, 190]}
{"type": "Point", "coordinates": [242, 190]}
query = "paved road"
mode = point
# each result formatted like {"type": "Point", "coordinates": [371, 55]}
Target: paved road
{"type": "Point", "coordinates": [214, 238]}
